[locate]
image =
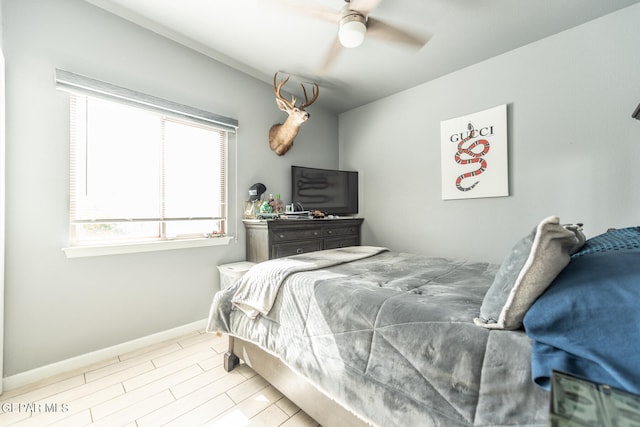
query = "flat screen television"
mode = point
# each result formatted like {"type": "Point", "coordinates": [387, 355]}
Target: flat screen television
{"type": "Point", "coordinates": [331, 191]}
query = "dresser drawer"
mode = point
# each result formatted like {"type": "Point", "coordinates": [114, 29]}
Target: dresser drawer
{"type": "Point", "coordinates": [341, 242]}
{"type": "Point", "coordinates": [280, 238]}
{"type": "Point", "coordinates": [285, 235]}
{"type": "Point", "coordinates": [295, 248]}
{"type": "Point", "coordinates": [340, 231]}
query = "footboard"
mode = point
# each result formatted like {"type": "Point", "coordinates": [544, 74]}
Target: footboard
{"type": "Point", "coordinates": [298, 389]}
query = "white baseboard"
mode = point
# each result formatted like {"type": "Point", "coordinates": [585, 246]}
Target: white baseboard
{"type": "Point", "coordinates": [38, 374]}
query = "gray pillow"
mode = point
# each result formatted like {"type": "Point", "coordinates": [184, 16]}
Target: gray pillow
{"type": "Point", "coordinates": [527, 271]}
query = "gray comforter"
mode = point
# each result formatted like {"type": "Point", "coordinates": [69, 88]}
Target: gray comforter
{"type": "Point", "coordinates": [391, 338]}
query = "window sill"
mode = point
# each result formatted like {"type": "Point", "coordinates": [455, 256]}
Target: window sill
{"type": "Point", "coordinates": [129, 248]}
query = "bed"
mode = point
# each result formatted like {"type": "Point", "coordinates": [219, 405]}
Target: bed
{"type": "Point", "coordinates": [367, 336]}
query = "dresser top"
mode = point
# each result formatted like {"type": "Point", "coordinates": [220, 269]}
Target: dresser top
{"type": "Point", "coordinates": [301, 222]}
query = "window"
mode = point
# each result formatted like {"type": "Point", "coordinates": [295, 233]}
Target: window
{"type": "Point", "coordinates": [138, 175]}
{"type": "Point", "coordinates": [141, 173]}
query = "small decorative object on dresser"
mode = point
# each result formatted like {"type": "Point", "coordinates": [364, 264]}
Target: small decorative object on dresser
{"type": "Point", "coordinates": [276, 239]}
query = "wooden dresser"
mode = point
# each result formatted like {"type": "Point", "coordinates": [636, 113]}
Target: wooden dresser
{"type": "Point", "coordinates": [284, 237]}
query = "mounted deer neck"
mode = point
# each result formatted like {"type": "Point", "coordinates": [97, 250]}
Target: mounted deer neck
{"type": "Point", "coordinates": [281, 136]}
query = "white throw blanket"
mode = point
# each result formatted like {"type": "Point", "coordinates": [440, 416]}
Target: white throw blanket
{"type": "Point", "coordinates": [258, 288]}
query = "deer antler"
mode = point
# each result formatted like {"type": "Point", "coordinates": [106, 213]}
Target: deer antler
{"type": "Point", "coordinates": [316, 92]}
{"type": "Point", "coordinates": [278, 87]}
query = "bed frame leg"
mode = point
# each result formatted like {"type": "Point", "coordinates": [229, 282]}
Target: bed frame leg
{"type": "Point", "coordinates": [230, 359]}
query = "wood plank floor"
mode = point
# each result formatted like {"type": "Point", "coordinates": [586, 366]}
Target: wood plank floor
{"type": "Point", "coordinates": [176, 383]}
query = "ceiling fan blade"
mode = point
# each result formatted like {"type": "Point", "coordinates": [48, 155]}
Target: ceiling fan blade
{"type": "Point", "coordinates": [324, 14]}
{"type": "Point", "coordinates": [387, 32]}
{"type": "Point", "coordinates": [308, 79]}
{"type": "Point", "coordinates": [364, 6]}
{"type": "Point", "coordinates": [333, 53]}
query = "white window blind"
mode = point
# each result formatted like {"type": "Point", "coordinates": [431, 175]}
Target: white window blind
{"type": "Point", "coordinates": [143, 170]}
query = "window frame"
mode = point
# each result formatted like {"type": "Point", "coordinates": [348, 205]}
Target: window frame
{"type": "Point", "coordinates": [84, 86]}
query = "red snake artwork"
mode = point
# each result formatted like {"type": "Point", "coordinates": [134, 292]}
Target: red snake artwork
{"type": "Point", "coordinates": [474, 158]}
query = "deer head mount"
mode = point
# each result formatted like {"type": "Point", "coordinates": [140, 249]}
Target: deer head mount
{"type": "Point", "coordinates": [281, 136]}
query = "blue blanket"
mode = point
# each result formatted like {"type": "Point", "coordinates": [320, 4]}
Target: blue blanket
{"type": "Point", "coordinates": [588, 321]}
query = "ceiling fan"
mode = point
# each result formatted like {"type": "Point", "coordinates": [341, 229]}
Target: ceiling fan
{"type": "Point", "coordinates": [354, 24]}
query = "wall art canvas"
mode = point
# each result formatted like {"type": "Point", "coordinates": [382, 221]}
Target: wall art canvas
{"type": "Point", "coordinates": [474, 155]}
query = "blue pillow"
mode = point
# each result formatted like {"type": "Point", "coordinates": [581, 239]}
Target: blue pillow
{"type": "Point", "coordinates": [587, 322]}
{"type": "Point", "coordinates": [614, 240]}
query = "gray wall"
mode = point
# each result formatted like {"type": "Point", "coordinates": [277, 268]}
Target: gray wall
{"type": "Point", "coordinates": [57, 308]}
{"type": "Point", "coordinates": [2, 198]}
{"type": "Point", "coordinates": [574, 149]}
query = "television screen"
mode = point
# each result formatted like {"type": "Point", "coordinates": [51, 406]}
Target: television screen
{"type": "Point", "coordinates": [333, 192]}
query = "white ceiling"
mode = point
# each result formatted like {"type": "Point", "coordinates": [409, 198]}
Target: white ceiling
{"type": "Point", "coordinates": [260, 37]}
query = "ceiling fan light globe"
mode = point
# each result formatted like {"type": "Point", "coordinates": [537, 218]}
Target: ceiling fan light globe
{"type": "Point", "coordinates": [351, 33]}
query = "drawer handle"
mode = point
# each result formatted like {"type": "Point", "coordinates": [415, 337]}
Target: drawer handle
{"type": "Point", "coordinates": [282, 236]}
{"type": "Point", "coordinates": [329, 231]}
{"type": "Point", "coordinates": [299, 251]}
{"type": "Point", "coordinates": [315, 233]}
